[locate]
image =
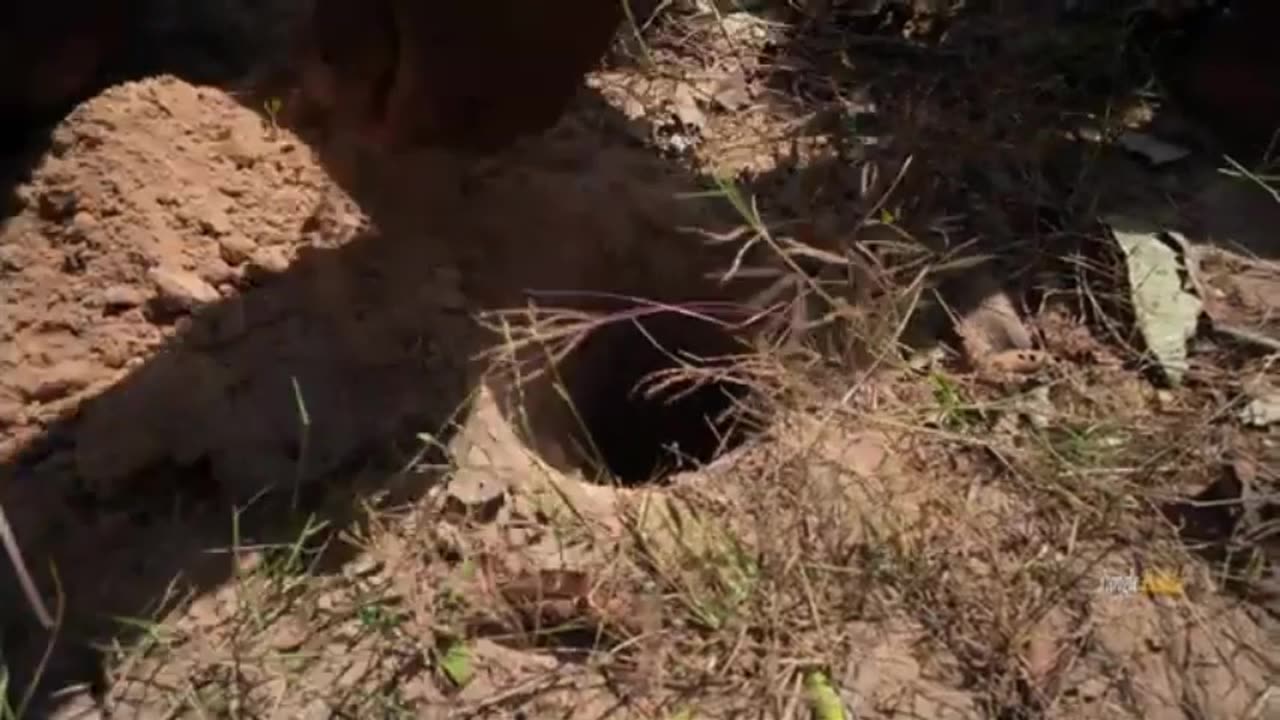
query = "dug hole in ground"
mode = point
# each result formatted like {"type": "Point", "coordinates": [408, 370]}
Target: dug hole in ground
{"type": "Point", "coordinates": [291, 429]}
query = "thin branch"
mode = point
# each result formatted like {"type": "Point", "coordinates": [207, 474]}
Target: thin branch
{"type": "Point", "coordinates": [24, 577]}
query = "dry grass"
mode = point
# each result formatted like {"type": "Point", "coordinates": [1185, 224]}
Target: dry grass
{"type": "Point", "coordinates": [930, 536]}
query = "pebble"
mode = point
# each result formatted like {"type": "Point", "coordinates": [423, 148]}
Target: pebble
{"type": "Point", "coordinates": [181, 288]}
{"type": "Point", "coordinates": [13, 257]}
{"type": "Point", "coordinates": [289, 634]}
{"type": "Point", "coordinates": [238, 153]}
{"type": "Point", "coordinates": [115, 354]}
{"type": "Point", "coordinates": [83, 225]}
{"type": "Point", "coordinates": [216, 223]}
{"type": "Point", "coordinates": [236, 248]}
{"type": "Point", "coordinates": [270, 259]}
{"type": "Point", "coordinates": [119, 297]}
{"type": "Point", "coordinates": [58, 205]}
{"type": "Point", "coordinates": [217, 272]}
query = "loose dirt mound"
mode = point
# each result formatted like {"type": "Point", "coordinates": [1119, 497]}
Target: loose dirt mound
{"type": "Point", "coordinates": [191, 305]}
{"type": "Point", "coordinates": [159, 199]}
{"type": "Point", "coordinates": [161, 209]}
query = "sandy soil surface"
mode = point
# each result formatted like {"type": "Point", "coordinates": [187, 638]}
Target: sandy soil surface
{"type": "Point", "coordinates": [198, 306]}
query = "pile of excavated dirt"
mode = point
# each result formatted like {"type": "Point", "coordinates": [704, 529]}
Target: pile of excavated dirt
{"type": "Point", "coordinates": [128, 302]}
{"type": "Point", "coordinates": [184, 283]}
{"type": "Point", "coordinates": [179, 262]}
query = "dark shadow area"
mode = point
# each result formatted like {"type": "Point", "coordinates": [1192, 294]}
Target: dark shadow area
{"type": "Point", "coordinates": [131, 490]}
{"type": "Point", "coordinates": [1012, 116]}
{"type": "Point", "coordinates": [1000, 107]}
{"type": "Point", "coordinates": [642, 433]}
{"type": "Point", "coordinates": [1016, 111]}
{"type": "Point", "coordinates": [63, 53]}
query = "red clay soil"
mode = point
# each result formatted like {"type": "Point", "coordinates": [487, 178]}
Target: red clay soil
{"type": "Point", "coordinates": [162, 205]}
{"type": "Point", "coordinates": [181, 275]}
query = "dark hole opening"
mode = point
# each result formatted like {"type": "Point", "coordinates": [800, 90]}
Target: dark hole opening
{"type": "Point", "coordinates": [641, 432]}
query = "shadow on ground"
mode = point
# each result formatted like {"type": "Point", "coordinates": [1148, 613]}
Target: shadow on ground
{"type": "Point", "coordinates": [372, 331]}
{"type": "Point", "coordinates": [321, 374]}
{"type": "Point", "coordinates": [1004, 107]}
{"type": "Point", "coordinates": [368, 334]}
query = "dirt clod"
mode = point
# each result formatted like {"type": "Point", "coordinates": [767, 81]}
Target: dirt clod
{"type": "Point", "coordinates": [180, 289]}
{"type": "Point", "coordinates": [236, 248]}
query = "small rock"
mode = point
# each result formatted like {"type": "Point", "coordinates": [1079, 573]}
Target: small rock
{"type": "Point", "coordinates": [115, 353]}
{"type": "Point", "coordinates": [235, 248]}
{"type": "Point", "coordinates": [217, 272]}
{"type": "Point", "coordinates": [686, 108]}
{"type": "Point", "coordinates": [732, 93]}
{"type": "Point", "coordinates": [238, 153]}
{"type": "Point", "coordinates": [633, 108]}
{"type": "Point", "coordinates": [24, 196]}
{"type": "Point", "coordinates": [327, 603]}
{"type": "Point", "coordinates": [120, 297]}
{"type": "Point", "coordinates": [12, 257]}
{"type": "Point", "coordinates": [270, 259]}
{"type": "Point", "coordinates": [1093, 688]}
{"type": "Point", "coordinates": [61, 140]}
{"type": "Point", "coordinates": [362, 566]}
{"type": "Point", "coordinates": [58, 205]}
{"type": "Point", "coordinates": [216, 223]}
{"type": "Point", "coordinates": [865, 454]}
{"type": "Point", "coordinates": [182, 289]}
{"type": "Point", "coordinates": [1262, 411]}
{"type": "Point", "coordinates": [289, 634]}
{"type": "Point", "coordinates": [83, 224]}
{"type": "Point", "coordinates": [232, 189]}
{"type": "Point", "coordinates": [474, 497]}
